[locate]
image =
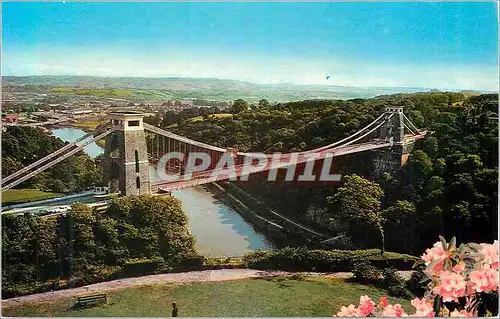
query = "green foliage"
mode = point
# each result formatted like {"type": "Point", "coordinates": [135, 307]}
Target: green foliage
{"type": "Point", "coordinates": [302, 259]}
{"type": "Point", "coordinates": [358, 203]}
{"type": "Point", "coordinates": [366, 273]}
{"type": "Point", "coordinates": [138, 235]}
{"type": "Point", "coordinates": [239, 106]}
{"type": "Point", "coordinates": [386, 278]}
{"type": "Point", "coordinates": [23, 145]}
{"type": "Point", "coordinates": [450, 177]}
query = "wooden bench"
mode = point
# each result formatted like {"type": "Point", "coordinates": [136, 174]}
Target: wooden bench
{"type": "Point", "coordinates": [91, 300]}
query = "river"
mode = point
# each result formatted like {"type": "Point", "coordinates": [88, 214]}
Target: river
{"type": "Point", "coordinates": [219, 230]}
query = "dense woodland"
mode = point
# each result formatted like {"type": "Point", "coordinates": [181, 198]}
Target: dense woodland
{"type": "Point", "coordinates": [86, 245]}
{"type": "Point", "coordinates": [448, 186]}
{"type": "Point", "coordinates": [22, 145]}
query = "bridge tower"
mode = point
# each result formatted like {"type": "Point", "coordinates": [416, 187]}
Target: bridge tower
{"type": "Point", "coordinates": [126, 157]}
{"type": "Point", "coordinates": [393, 130]}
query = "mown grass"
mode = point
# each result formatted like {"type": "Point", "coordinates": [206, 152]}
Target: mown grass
{"type": "Point", "coordinates": [89, 125]}
{"type": "Point", "coordinates": [276, 297]}
{"type": "Point", "coordinates": [218, 116]}
{"type": "Point", "coordinates": [13, 196]}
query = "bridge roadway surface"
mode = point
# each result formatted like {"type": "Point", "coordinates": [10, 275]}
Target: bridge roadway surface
{"type": "Point", "coordinates": [172, 278]}
{"type": "Point", "coordinates": [210, 176]}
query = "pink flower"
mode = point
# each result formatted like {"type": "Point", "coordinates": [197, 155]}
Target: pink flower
{"type": "Point", "coordinates": [350, 311]}
{"type": "Point", "coordinates": [436, 268]}
{"type": "Point", "coordinates": [451, 286]}
{"type": "Point", "coordinates": [485, 279]}
{"type": "Point", "coordinates": [393, 311]}
{"type": "Point", "coordinates": [424, 307]}
{"type": "Point", "coordinates": [366, 306]}
{"type": "Point", "coordinates": [436, 252]}
{"type": "Point", "coordinates": [383, 302]}
{"type": "Point", "coordinates": [462, 313]}
{"type": "Point", "coordinates": [490, 253]}
{"type": "Point", "coordinates": [459, 268]}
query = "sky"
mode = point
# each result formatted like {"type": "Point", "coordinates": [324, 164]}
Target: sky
{"type": "Point", "coordinates": [425, 44]}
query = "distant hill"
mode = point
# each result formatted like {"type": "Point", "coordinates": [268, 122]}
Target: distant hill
{"type": "Point", "coordinates": [207, 88]}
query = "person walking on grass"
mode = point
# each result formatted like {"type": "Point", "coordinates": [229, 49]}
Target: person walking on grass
{"type": "Point", "coordinates": [175, 310]}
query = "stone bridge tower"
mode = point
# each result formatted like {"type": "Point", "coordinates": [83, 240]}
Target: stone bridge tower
{"type": "Point", "coordinates": [393, 130]}
{"type": "Point", "coordinates": [126, 166]}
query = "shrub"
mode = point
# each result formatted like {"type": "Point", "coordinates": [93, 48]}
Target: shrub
{"type": "Point", "coordinates": [364, 272]}
{"type": "Point", "coordinates": [192, 262]}
{"type": "Point", "coordinates": [302, 259]}
{"type": "Point", "coordinates": [417, 283]}
{"type": "Point", "coordinates": [143, 265]}
{"type": "Point", "coordinates": [394, 283]}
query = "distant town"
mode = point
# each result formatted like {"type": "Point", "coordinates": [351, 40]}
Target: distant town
{"type": "Point", "coordinates": [41, 106]}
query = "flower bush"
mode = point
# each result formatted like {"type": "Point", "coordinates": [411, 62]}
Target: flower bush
{"type": "Point", "coordinates": [462, 282]}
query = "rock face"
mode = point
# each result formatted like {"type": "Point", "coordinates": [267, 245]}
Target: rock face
{"type": "Point", "coordinates": [126, 157]}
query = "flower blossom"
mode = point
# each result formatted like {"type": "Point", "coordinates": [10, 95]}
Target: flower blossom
{"type": "Point", "coordinates": [451, 286]}
{"type": "Point", "coordinates": [349, 311]}
{"type": "Point", "coordinates": [383, 302]}
{"type": "Point", "coordinates": [366, 306]}
{"type": "Point", "coordinates": [485, 279]}
{"type": "Point", "coordinates": [434, 253]}
{"type": "Point", "coordinates": [393, 311]}
{"type": "Point", "coordinates": [424, 307]}
{"type": "Point", "coordinates": [490, 253]}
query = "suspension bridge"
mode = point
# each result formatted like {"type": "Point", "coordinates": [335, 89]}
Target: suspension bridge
{"type": "Point", "coordinates": [129, 150]}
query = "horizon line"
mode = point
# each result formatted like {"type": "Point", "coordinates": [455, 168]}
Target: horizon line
{"type": "Point", "coordinates": [254, 83]}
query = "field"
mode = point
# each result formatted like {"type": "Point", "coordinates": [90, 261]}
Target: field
{"type": "Point", "coordinates": [218, 116]}
{"type": "Point", "coordinates": [89, 124]}
{"type": "Point", "coordinates": [97, 92]}
{"type": "Point", "coordinates": [13, 196]}
{"type": "Point", "coordinates": [277, 297]}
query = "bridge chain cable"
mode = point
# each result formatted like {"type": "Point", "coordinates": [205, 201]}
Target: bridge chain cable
{"type": "Point", "coordinates": [409, 129]}
{"type": "Point", "coordinates": [59, 159]}
{"type": "Point", "coordinates": [414, 127]}
{"type": "Point", "coordinates": [182, 139]}
{"type": "Point", "coordinates": [347, 138]}
{"type": "Point", "coordinates": [48, 157]}
{"type": "Point", "coordinates": [357, 139]}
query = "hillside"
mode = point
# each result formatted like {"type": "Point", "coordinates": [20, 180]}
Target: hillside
{"type": "Point", "coordinates": [204, 88]}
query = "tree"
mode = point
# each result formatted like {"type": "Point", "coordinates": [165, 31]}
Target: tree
{"type": "Point", "coordinates": [431, 147]}
{"type": "Point", "coordinates": [152, 226]}
{"type": "Point", "coordinates": [264, 104]}
{"type": "Point", "coordinates": [401, 226]}
{"type": "Point", "coordinates": [416, 118]}
{"type": "Point", "coordinates": [239, 106]}
{"type": "Point", "coordinates": [358, 203]}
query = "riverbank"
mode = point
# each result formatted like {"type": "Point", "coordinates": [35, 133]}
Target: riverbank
{"type": "Point", "coordinates": [86, 125]}
{"type": "Point", "coordinates": [285, 230]}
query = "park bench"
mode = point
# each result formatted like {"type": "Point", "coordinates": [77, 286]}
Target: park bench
{"type": "Point", "coordinates": [91, 300]}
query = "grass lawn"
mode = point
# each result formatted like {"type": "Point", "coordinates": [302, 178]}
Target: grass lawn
{"type": "Point", "coordinates": [87, 125]}
{"type": "Point", "coordinates": [277, 297]}
{"type": "Point", "coordinates": [12, 196]}
{"type": "Point", "coordinates": [218, 116]}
